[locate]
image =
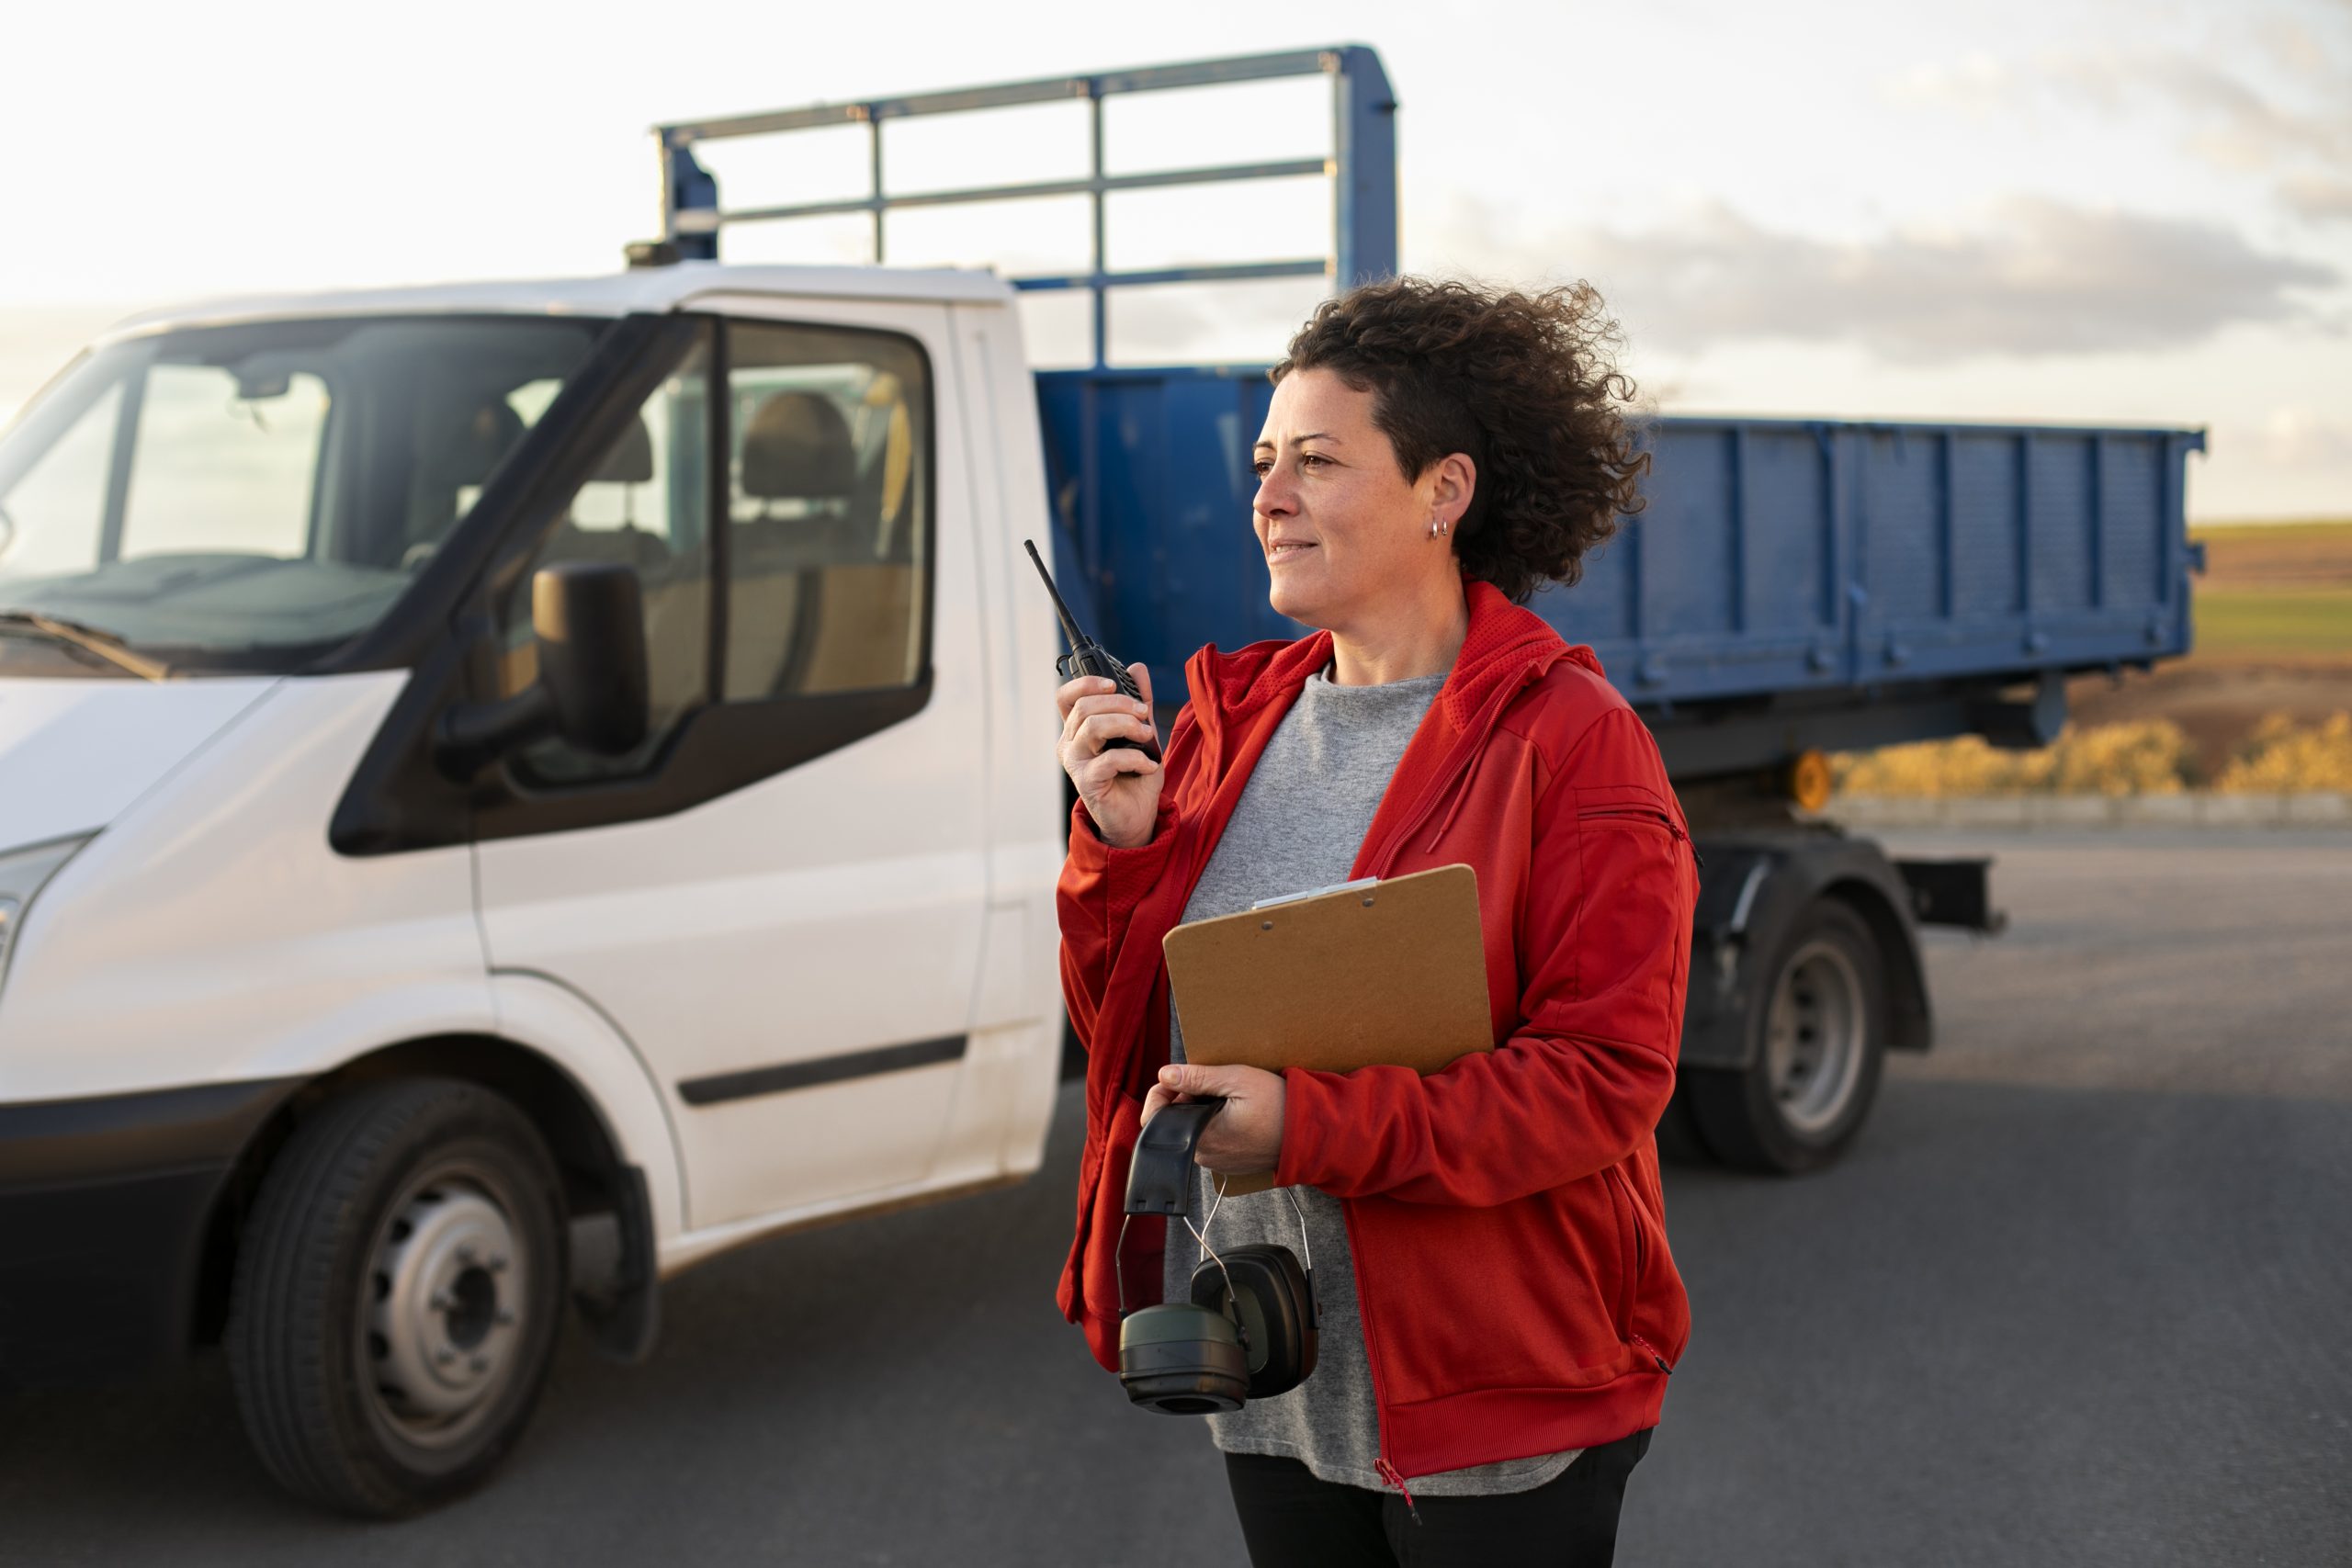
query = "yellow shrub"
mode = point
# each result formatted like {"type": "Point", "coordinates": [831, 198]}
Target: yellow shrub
{"type": "Point", "coordinates": [2281, 758]}
{"type": "Point", "coordinates": [2149, 758]}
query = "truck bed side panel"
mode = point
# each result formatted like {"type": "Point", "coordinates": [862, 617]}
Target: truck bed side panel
{"type": "Point", "coordinates": [1824, 561]}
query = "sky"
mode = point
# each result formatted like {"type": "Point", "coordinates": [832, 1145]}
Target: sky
{"type": "Point", "coordinates": [2087, 212]}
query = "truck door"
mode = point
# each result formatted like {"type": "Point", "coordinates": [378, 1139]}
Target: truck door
{"type": "Point", "coordinates": [793, 956]}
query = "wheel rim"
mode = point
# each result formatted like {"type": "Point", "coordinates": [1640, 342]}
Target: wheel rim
{"type": "Point", "coordinates": [1813, 1039]}
{"type": "Point", "coordinates": [448, 1291]}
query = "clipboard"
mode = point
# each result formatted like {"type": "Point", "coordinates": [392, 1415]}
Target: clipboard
{"type": "Point", "coordinates": [1363, 973]}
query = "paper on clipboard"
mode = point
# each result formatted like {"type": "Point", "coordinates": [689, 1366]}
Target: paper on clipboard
{"type": "Point", "coordinates": [1393, 972]}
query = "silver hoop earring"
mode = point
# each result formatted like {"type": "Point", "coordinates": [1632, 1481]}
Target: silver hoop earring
{"type": "Point", "coordinates": [1437, 528]}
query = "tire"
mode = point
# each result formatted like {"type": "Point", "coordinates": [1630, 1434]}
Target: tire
{"type": "Point", "coordinates": [1678, 1142]}
{"type": "Point", "coordinates": [397, 1296]}
{"type": "Point", "coordinates": [1819, 1044]}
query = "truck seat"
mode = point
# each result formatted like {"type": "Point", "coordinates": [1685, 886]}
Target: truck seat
{"type": "Point", "coordinates": [813, 608]}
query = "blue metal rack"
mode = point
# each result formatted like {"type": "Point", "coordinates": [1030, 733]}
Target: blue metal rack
{"type": "Point", "coordinates": [1792, 583]}
{"type": "Point", "coordinates": [1362, 165]}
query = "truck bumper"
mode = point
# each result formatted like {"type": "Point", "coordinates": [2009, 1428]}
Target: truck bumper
{"type": "Point", "coordinates": [105, 1204]}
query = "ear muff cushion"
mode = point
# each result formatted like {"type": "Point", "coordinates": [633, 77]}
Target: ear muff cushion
{"type": "Point", "coordinates": [1182, 1360]}
{"type": "Point", "coordinates": [1277, 1311]}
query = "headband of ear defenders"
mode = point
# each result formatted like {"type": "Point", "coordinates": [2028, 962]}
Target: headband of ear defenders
{"type": "Point", "coordinates": [1161, 1174]}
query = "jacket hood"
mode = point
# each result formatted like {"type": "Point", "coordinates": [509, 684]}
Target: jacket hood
{"type": "Point", "coordinates": [75, 754]}
{"type": "Point", "coordinates": [1504, 639]}
{"type": "Point", "coordinates": [1507, 648]}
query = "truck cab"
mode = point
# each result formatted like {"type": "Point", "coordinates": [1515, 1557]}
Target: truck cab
{"type": "Point", "coordinates": [553, 768]}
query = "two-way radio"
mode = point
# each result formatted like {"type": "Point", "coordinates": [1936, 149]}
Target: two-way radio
{"type": "Point", "coordinates": [1086, 656]}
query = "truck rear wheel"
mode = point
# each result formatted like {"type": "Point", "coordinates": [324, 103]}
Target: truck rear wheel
{"type": "Point", "coordinates": [1822, 1043]}
{"type": "Point", "coordinates": [397, 1296]}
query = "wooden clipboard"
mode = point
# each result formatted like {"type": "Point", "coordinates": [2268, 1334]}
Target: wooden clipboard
{"type": "Point", "coordinates": [1392, 972]}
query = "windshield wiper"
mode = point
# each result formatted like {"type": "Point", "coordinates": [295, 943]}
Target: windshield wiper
{"type": "Point", "coordinates": [107, 645]}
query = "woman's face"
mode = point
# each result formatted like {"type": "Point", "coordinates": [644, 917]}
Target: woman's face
{"type": "Point", "coordinates": [1346, 534]}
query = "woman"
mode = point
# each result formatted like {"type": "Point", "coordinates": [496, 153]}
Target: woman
{"type": "Point", "coordinates": [1499, 1310]}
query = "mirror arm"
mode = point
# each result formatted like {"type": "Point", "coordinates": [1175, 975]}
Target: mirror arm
{"type": "Point", "coordinates": [471, 734]}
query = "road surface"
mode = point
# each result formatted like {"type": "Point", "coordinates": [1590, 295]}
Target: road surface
{"type": "Point", "coordinates": [2080, 1295]}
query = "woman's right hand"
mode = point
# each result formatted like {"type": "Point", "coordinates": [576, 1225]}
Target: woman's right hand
{"type": "Point", "coordinates": [1119, 783]}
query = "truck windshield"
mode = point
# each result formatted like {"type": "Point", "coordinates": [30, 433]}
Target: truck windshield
{"type": "Point", "coordinates": [246, 497]}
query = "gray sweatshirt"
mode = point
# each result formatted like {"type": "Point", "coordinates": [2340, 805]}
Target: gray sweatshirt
{"type": "Point", "coordinates": [1300, 821]}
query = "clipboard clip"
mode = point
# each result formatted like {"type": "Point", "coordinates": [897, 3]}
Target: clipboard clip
{"type": "Point", "coordinates": [1360, 882]}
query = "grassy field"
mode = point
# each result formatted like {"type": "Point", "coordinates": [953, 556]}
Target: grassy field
{"type": "Point", "coordinates": [2284, 621]}
{"type": "Point", "coordinates": [2274, 590]}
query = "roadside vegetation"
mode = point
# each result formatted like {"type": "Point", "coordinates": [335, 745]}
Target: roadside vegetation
{"type": "Point", "coordinates": [2152, 757]}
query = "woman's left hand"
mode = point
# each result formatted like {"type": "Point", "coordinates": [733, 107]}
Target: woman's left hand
{"type": "Point", "coordinates": [1244, 1137]}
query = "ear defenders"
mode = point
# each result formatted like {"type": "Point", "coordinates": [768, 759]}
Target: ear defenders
{"type": "Point", "coordinates": [1249, 1329]}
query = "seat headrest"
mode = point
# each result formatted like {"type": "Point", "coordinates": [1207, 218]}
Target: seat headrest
{"type": "Point", "coordinates": [630, 462]}
{"type": "Point", "coordinates": [471, 444]}
{"type": "Point", "coordinates": [798, 447]}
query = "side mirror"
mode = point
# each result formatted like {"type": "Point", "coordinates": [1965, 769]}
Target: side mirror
{"type": "Point", "coordinates": [588, 620]}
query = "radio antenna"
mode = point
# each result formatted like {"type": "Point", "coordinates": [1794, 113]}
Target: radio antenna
{"type": "Point", "coordinates": [1070, 634]}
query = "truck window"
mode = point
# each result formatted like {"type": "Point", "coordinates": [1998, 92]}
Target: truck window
{"type": "Point", "coordinates": [645, 506]}
{"type": "Point", "coordinates": [829, 510]}
{"type": "Point", "coordinates": [249, 496]}
{"type": "Point", "coordinates": [212, 469]}
{"type": "Point", "coordinates": [66, 489]}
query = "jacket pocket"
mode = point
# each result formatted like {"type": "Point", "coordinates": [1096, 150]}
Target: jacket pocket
{"type": "Point", "coordinates": [1629, 1245]}
{"type": "Point", "coordinates": [1633, 817]}
{"type": "Point", "coordinates": [1655, 1313]}
{"type": "Point", "coordinates": [1631, 806]}
{"type": "Point", "coordinates": [1517, 1296]}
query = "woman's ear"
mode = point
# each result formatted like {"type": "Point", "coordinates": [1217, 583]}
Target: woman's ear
{"type": "Point", "coordinates": [1454, 480]}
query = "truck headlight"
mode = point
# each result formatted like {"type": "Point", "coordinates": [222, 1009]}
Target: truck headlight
{"type": "Point", "coordinates": [22, 872]}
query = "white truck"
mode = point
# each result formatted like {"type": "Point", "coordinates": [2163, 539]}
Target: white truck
{"type": "Point", "coordinates": [505, 792]}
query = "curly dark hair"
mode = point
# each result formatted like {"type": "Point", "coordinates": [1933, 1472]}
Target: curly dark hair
{"type": "Point", "coordinates": [1524, 385]}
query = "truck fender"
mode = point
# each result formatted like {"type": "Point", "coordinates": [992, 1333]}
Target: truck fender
{"type": "Point", "coordinates": [545, 1015]}
{"type": "Point", "coordinates": [1753, 887]}
{"type": "Point", "coordinates": [531, 1010]}
{"type": "Point", "coordinates": [555, 1055]}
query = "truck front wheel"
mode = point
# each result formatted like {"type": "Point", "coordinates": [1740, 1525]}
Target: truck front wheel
{"type": "Point", "coordinates": [397, 1296]}
{"type": "Point", "coordinates": [1821, 1043]}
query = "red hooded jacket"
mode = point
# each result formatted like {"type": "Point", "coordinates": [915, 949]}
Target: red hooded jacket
{"type": "Point", "coordinates": [1504, 1215]}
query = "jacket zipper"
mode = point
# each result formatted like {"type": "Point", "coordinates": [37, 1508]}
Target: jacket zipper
{"type": "Point", "coordinates": [1388, 1474]}
{"type": "Point", "coordinates": [1388, 1471]}
{"type": "Point", "coordinates": [1452, 780]}
{"type": "Point", "coordinates": [1648, 814]}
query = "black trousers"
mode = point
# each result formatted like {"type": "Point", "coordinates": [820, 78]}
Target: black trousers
{"type": "Point", "coordinates": [1292, 1519]}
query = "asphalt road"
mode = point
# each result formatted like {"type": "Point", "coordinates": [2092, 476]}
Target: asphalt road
{"type": "Point", "coordinates": [2079, 1297]}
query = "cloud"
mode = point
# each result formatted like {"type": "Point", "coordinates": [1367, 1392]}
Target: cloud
{"type": "Point", "coordinates": [2303, 437]}
{"type": "Point", "coordinates": [2291, 46]}
{"type": "Point", "coordinates": [2236, 126]}
{"type": "Point", "coordinates": [2025, 278]}
{"type": "Point", "coordinates": [2318, 198]}
{"type": "Point", "coordinates": [2243, 128]}
{"type": "Point", "coordinates": [1977, 85]}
